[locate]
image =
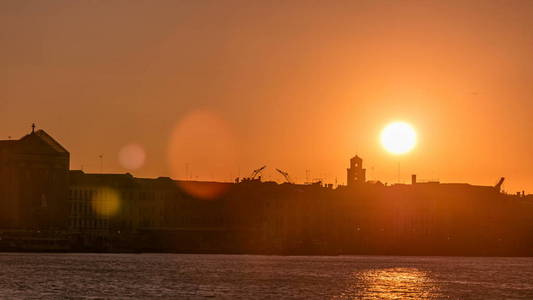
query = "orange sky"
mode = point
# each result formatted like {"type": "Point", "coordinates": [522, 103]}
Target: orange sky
{"type": "Point", "coordinates": [214, 89]}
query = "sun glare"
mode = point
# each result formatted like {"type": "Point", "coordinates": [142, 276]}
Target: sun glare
{"type": "Point", "coordinates": [398, 138]}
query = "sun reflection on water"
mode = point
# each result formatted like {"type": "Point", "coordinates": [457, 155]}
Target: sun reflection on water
{"type": "Point", "coordinates": [391, 283]}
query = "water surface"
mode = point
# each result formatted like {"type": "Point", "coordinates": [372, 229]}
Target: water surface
{"type": "Point", "coordinates": [123, 276]}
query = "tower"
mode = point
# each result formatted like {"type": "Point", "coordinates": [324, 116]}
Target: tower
{"type": "Point", "coordinates": [355, 173]}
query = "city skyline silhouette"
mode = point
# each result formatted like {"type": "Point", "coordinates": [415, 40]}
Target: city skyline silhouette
{"type": "Point", "coordinates": [132, 157]}
{"type": "Point", "coordinates": [297, 86]}
{"type": "Point", "coordinates": [46, 206]}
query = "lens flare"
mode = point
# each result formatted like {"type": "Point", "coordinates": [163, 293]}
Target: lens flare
{"type": "Point", "coordinates": [204, 190]}
{"type": "Point", "coordinates": [106, 202]}
{"type": "Point", "coordinates": [131, 156]}
{"type": "Point", "coordinates": [398, 138]}
{"type": "Point", "coordinates": [201, 147]}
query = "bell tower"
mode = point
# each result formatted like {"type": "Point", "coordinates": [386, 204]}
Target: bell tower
{"type": "Point", "coordinates": [355, 173]}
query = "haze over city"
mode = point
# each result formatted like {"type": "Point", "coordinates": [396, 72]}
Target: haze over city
{"type": "Point", "coordinates": [211, 90]}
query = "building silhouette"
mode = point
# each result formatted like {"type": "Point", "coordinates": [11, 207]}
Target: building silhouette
{"type": "Point", "coordinates": [44, 206]}
{"type": "Point", "coordinates": [356, 175]}
{"type": "Point", "coordinates": [33, 182]}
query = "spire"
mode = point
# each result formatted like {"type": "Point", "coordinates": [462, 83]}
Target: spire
{"type": "Point", "coordinates": [33, 128]}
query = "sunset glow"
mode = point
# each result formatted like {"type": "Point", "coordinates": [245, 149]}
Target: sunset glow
{"type": "Point", "coordinates": [325, 85]}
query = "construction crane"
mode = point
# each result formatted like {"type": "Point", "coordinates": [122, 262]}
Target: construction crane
{"type": "Point", "coordinates": [256, 172]}
{"type": "Point", "coordinates": [285, 174]}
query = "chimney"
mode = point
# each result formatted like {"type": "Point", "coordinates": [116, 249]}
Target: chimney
{"type": "Point", "coordinates": [413, 179]}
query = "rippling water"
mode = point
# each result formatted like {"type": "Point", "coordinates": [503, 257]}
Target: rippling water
{"type": "Point", "coordinates": [119, 276]}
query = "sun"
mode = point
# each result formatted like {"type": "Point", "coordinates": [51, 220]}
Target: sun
{"type": "Point", "coordinates": [398, 138]}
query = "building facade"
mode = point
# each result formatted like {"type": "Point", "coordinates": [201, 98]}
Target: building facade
{"type": "Point", "coordinates": [33, 182]}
